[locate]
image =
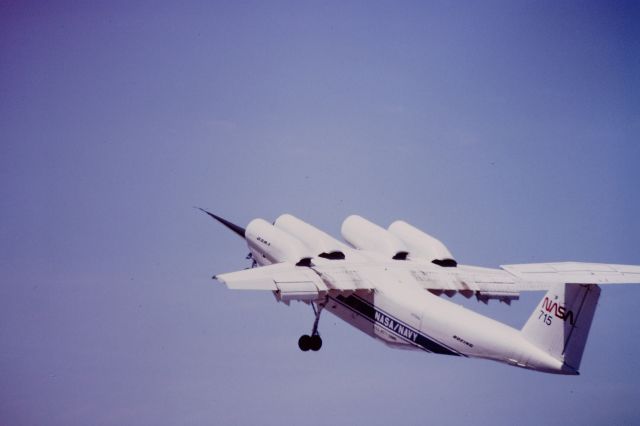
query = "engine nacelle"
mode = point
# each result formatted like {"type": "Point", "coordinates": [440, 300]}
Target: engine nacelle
{"type": "Point", "coordinates": [318, 242]}
{"type": "Point", "coordinates": [422, 245]}
{"type": "Point", "coordinates": [365, 235]}
{"type": "Point", "coordinates": [269, 244]}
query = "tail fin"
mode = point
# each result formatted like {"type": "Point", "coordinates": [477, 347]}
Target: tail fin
{"type": "Point", "coordinates": [560, 324]}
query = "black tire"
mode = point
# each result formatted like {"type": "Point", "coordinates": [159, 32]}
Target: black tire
{"type": "Point", "coordinates": [304, 342]}
{"type": "Point", "coordinates": [315, 343]}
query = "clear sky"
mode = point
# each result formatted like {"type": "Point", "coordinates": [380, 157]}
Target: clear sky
{"type": "Point", "coordinates": [509, 129]}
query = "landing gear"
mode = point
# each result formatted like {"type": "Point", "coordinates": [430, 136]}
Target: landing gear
{"type": "Point", "coordinates": [313, 342]}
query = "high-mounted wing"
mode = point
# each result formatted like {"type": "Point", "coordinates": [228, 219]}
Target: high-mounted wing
{"type": "Point", "coordinates": [508, 282]}
{"type": "Point", "coordinates": [288, 282]}
{"type": "Point", "coordinates": [540, 276]}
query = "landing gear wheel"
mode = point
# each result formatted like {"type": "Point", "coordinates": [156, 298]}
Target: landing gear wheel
{"type": "Point", "coordinates": [304, 342]}
{"type": "Point", "coordinates": [315, 342]}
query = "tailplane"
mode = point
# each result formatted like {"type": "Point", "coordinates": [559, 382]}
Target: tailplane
{"type": "Point", "coordinates": [560, 323]}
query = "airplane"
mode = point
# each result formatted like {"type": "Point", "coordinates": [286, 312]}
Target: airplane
{"type": "Point", "coordinates": [389, 284]}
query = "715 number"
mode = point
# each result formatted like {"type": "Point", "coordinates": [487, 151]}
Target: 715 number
{"type": "Point", "coordinates": [544, 317]}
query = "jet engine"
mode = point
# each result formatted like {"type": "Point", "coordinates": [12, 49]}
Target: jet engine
{"type": "Point", "coordinates": [318, 242]}
{"type": "Point", "coordinates": [269, 244]}
{"type": "Point", "coordinates": [422, 245]}
{"type": "Point", "coordinates": [365, 235]}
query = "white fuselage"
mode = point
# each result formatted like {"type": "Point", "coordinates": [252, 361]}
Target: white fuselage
{"type": "Point", "coordinates": [406, 316]}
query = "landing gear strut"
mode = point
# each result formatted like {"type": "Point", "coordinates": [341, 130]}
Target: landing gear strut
{"type": "Point", "coordinates": [313, 342]}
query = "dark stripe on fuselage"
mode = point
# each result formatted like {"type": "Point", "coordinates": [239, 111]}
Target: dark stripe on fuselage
{"type": "Point", "coordinates": [368, 311]}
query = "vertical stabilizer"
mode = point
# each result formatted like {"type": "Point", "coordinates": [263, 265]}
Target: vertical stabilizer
{"type": "Point", "coordinates": [560, 323]}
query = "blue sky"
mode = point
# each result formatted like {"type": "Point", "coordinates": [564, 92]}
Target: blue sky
{"type": "Point", "coordinates": [508, 129]}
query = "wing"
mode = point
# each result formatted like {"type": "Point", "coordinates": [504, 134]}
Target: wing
{"type": "Point", "coordinates": [508, 282]}
{"type": "Point", "coordinates": [540, 276]}
{"type": "Point", "coordinates": [288, 282]}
